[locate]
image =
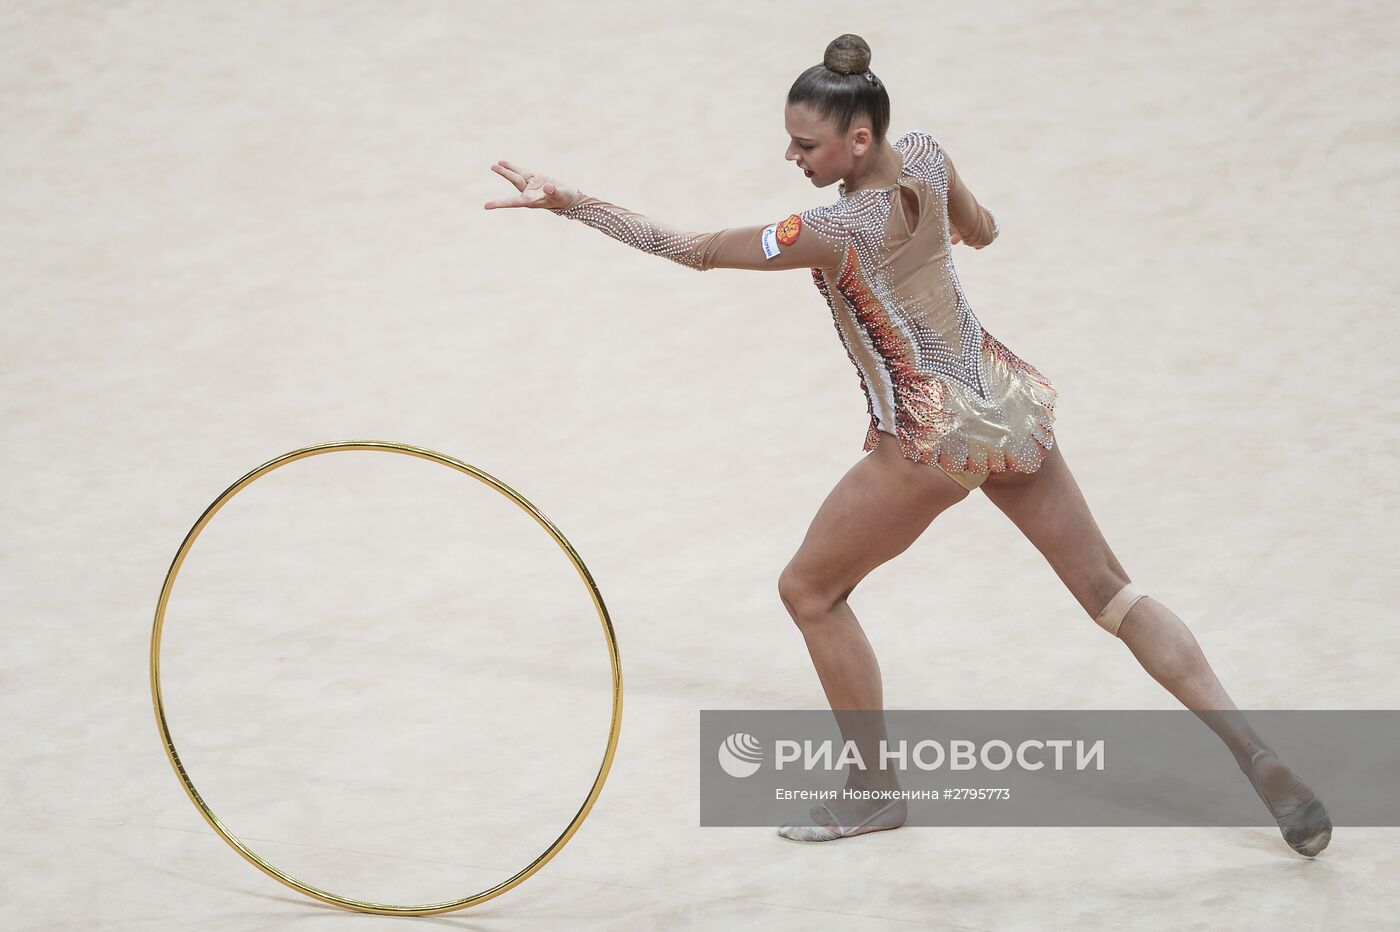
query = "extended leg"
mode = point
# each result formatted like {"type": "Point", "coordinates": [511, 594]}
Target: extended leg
{"type": "Point", "coordinates": [1166, 648]}
{"type": "Point", "coordinates": [1048, 507]}
{"type": "Point", "coordinates": [1168, 651]}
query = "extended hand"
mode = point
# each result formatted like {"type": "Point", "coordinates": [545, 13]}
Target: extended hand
{"type": "Point", "coordinates": [536, 190]}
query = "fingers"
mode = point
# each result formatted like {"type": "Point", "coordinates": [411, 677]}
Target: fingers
{"type": "Point", "coordinates": [514, 177]}
{"type": "Point", "coordinates": [524, 200]}
{"type": "Point", "coordinates": [521, 178]}
{"type": "Point", "coordinates": [521, 201]}
{"type": "Point", "coordinates": [524, 174]}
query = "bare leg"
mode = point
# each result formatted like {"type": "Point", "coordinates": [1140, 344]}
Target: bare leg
{"type": "Point", "coordinates": [1048, 507]}
{"type": "Point", "coordinates": [880, 507]}
{"type": "Point", "coordinates": [1168, 651]}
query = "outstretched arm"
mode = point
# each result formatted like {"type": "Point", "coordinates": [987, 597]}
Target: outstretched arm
{"type": "Point", "coordinates": [811, 239]}
{"type": "Point", "coordinates": [802, 241]}
{"type": "Point", "coordinates": [974, 223]}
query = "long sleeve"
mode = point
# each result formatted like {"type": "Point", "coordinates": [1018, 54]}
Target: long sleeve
{"type": "Point", "coordinates": [976, 224]}
{"type": "Point", "coordinates": [815, 238]}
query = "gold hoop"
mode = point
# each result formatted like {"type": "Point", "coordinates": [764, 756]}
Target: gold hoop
{"type": "Point", "coordinates": [384, 909]}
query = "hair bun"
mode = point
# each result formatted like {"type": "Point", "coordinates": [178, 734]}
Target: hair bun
{"type": "Point", "coordinates": [847, 54]}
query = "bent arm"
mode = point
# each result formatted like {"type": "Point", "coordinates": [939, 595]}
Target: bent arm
{"type": "Point", "coordinates": [976, 224]}
{"type": "Point", "coordinates": [812, 239]}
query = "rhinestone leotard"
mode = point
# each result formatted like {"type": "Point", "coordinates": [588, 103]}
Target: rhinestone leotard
{"type": "Point", "coordinates": [951, 394]}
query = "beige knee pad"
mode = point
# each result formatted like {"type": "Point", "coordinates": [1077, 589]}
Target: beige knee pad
{"type": "Point", "coordinates": [1112, 615]}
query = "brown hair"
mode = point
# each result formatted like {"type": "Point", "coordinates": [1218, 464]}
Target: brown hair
{"type": "Point", "coordinates": [842, 87]}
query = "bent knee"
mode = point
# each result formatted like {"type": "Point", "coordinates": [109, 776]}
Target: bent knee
{"type": "Point", "coordinates": [804, 597]}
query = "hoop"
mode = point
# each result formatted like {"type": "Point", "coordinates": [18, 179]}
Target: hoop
{"type": "Point", "coordinates": [384, 909]}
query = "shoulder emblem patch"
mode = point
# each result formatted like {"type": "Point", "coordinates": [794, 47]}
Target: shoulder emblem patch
{"type": "Point", "coordinates": [789, 229]}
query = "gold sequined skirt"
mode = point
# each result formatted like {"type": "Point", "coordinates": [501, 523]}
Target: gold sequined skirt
{"type": "Point", "coordinates": [946, 424]}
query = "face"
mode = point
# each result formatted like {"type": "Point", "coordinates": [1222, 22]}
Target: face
{"type": "Point", "coordinates": [824, 155]}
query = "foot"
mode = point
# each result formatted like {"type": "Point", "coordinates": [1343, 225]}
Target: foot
{"type": "Point", "coordinates": [1300, 815]}
{"type": "Point", "coordinates": [844, 818]}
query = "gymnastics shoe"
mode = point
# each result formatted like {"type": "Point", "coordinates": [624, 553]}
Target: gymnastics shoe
{"type": "Point", "coordinates": [803, 832]}
{"type": "Point", "coordinates": [1306, 827]}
